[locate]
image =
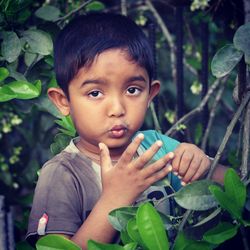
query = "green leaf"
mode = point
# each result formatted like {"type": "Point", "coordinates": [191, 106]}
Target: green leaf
{"type": "Point", "coordinates": [93, 245]}
{"type": "Point", "coordinates": [182, 241]}
{"type": "Point", "coordinates": [95, 6]}
{"type": "Point", "coordinates": [222, 232]}
{"type": "Point", "coordinates": [241, 40]}
{"type": "Point", "coordinates": [133, 232]}
{"type": "Point", "coordinates": [48, 13]}
{"type": "Point", "coordinates": [39, 41]}
{"type": "Point", "coordinates": [60, 142]}
{"type": "Point", "coordinates": [196, 196]}
{"type": "Point", "coordinates": [119, 217]}
{"type": "Point", "coordinates": [226, 202]}
{"type": "Point", "coordinates": [125, 238]}
{"type": "Point", "coordinates": [6, 94]}
{"type": "Point", "coordinates": [4, 73]}
{"type": "Point", "coordinates": [130, 246]}
{"type": "Point", "coordinates": [151, 228]}
{"type": "Point", "coordinates": [225, 60]}
{"type": "Point", "coordinates": [67, 125]}
{"type": "Point", "coordinates": [235, 188]}
{"type": "Point", "coordinates": [56, 242]}
{"type": "Point", "coordinates": [29, 58]}
{"type": "Point", "coordinates": [23, 89]}
{"type": "Point", "coordinates": [11, 46]}
{"type": "Point", "coordinates": [198, 245]}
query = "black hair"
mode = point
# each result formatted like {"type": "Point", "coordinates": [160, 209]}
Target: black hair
{"type": "Point", "coordinates": [87, 36]}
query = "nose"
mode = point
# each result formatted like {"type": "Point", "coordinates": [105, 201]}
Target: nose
{"type": "Point", "coordinates": [116, 107]}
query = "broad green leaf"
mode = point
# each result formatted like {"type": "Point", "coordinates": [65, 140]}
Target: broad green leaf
{"type": "Point", "coordinates": [39, 41]}
{"type": "Point", "coordinates": [95, 6]}
{"type": "Point", "coordinates": [11, 46]}
{"type": "Point", "coordinates": [199, 245]}
{"type": "Point", "coordinates": [38, 85]}
{"type": "Point", "coordinates": [196, 196]}
{"type": "Point", "coordinates": [56, 242]}
{"type": "Point", "coordinates": [93, 245]}
{"type": "Point", "coordinates": [130, 246]}
{"type": "Point", "coordinates": [151, 228]}
{"type": "Point", "coordinates": [225, 60]}
{"type": "Point", "coordinates": [226, 202]}
{"type": "Point", "coordinates": [119, 217]}
{"type": "Point", "coordinates": [241, 40]}
{"type": "Point", "coordinates": [48, 13]}
{"type": "Point", "coordinates": [67, 125]}
{"type": "Point", "coordinates": [29, 58]}
{"type": "Point", "coordinates": [6, 94]}
{"type": "Point", "coordinates": [235, 188]}
{"type": "Point", "coordinates": [23, 89]}
{"type": "Point", "coordinates": [133, 232]}
{"type": "Point", "coordinates": [125, 237]}
{"type": "Point", "coordinates": [222, 232]}
{"type": "Point", "coordinates": [60, 142]}
{"type": "Point", "coordinates": [4, 73]}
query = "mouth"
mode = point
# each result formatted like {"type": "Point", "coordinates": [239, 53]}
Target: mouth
{"type": "Point", "coordinates": [118, 131]}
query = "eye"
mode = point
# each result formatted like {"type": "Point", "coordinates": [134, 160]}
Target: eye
{"type": "Point", "coordinates": [95, 94]}
{"type": "Point", "coordinates": [134, 91]}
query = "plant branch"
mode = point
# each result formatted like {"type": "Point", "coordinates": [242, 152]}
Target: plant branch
{"type": "Point", "coordinates": [245, 143]}
{"type": "Point", "coordinates": [60, 19]}
{"type": "Point", "coordinates": [212, 116]}
{"type": "Point", "coordinates": [197, 110]}
{"type": "Point", "coordinates": [155, 119]}
{"type": "Point", "coordinates": [167, 35]}
{"type": "Point", "coordinates": [124, 7]}
{"type": "Point", "coordinates": [228, 133]}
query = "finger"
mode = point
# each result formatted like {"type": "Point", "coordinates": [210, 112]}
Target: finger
{"type": "Point", "coordinates": [159, 165]}
{"type": "Point", "coordinates": [177, 159]}
{"type": "Point", "coordinates": [145, 158]}
{"type": "Point", "coordinates": [159, 175]}
{"type": "Point", "coordinates": [204, 167]}
{"type": "Point", "coordinates": [185, 162]}
{"type": "Point", "coordinates": [193, 169]}
{"type": "Point", "coordinates": [105, 160]}
{"type": "Point", "coordinates": [131, 150]}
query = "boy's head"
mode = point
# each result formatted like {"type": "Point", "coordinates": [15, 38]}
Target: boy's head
{"type": "Point", "coordinates": [86, 37]}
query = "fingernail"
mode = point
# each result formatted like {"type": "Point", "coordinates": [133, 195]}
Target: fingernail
{"type": "Point", "coordinates": [171, 155]}
{"type": "Point", "coordinates": [170, 168]}
{"type": "Point", "coordinates": [175, 173]}
{"type": "Point", "coordinates": [183, 183]}
{"type": "Point", "coordinates": [140, 136]}
{"type": "Point", "coordinates": [100, 145]}
{"type": "Point", "coordinates": [180, 177]}
{"type": "Point", "coordinates": [159, 143]}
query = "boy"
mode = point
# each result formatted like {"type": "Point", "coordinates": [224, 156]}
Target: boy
{"type": "Point", "coordinates": [103, 65]}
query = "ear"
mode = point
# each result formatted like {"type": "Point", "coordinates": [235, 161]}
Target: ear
{"type": "Point", "coordinates": [60, 100]}
{"type": "Point", "coordinates": [154, 90]}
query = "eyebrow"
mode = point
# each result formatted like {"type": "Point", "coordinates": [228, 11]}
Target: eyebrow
{"type": "Point", "coordinates": [100, 81]}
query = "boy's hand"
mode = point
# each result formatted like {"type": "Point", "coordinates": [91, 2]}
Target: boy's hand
{"type": "Point", "coordinates": [190, 162]}
{"type": "Point", "coordinates": [126, 180]}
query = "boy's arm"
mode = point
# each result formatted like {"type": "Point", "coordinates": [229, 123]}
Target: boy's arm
{"type": "Point", "coordinates": [122, 184]}
{"type": "Point", "coordinates": [191, 163]}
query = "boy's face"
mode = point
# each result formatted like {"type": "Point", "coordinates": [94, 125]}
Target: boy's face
{"type": "Point", "coordinates": [108, 101]}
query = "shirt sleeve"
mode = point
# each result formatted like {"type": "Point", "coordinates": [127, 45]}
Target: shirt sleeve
{"type": "Point", "coordinates": [169, 145]}
{"type": "Point", "coordinates": [56, 195]}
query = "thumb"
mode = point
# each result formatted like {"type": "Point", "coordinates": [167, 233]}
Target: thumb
{"type": "Point", "coordinates": [105, 160]}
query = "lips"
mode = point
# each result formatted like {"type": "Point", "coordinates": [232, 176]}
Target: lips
{"type": "Point", "coordinates": [118, 131]}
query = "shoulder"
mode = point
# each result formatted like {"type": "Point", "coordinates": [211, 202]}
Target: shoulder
{"type": "Point", "coordinates": [150, 136]}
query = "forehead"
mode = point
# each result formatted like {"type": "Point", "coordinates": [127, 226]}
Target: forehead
{"type": "Point", "coordinates": [112, 62]}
